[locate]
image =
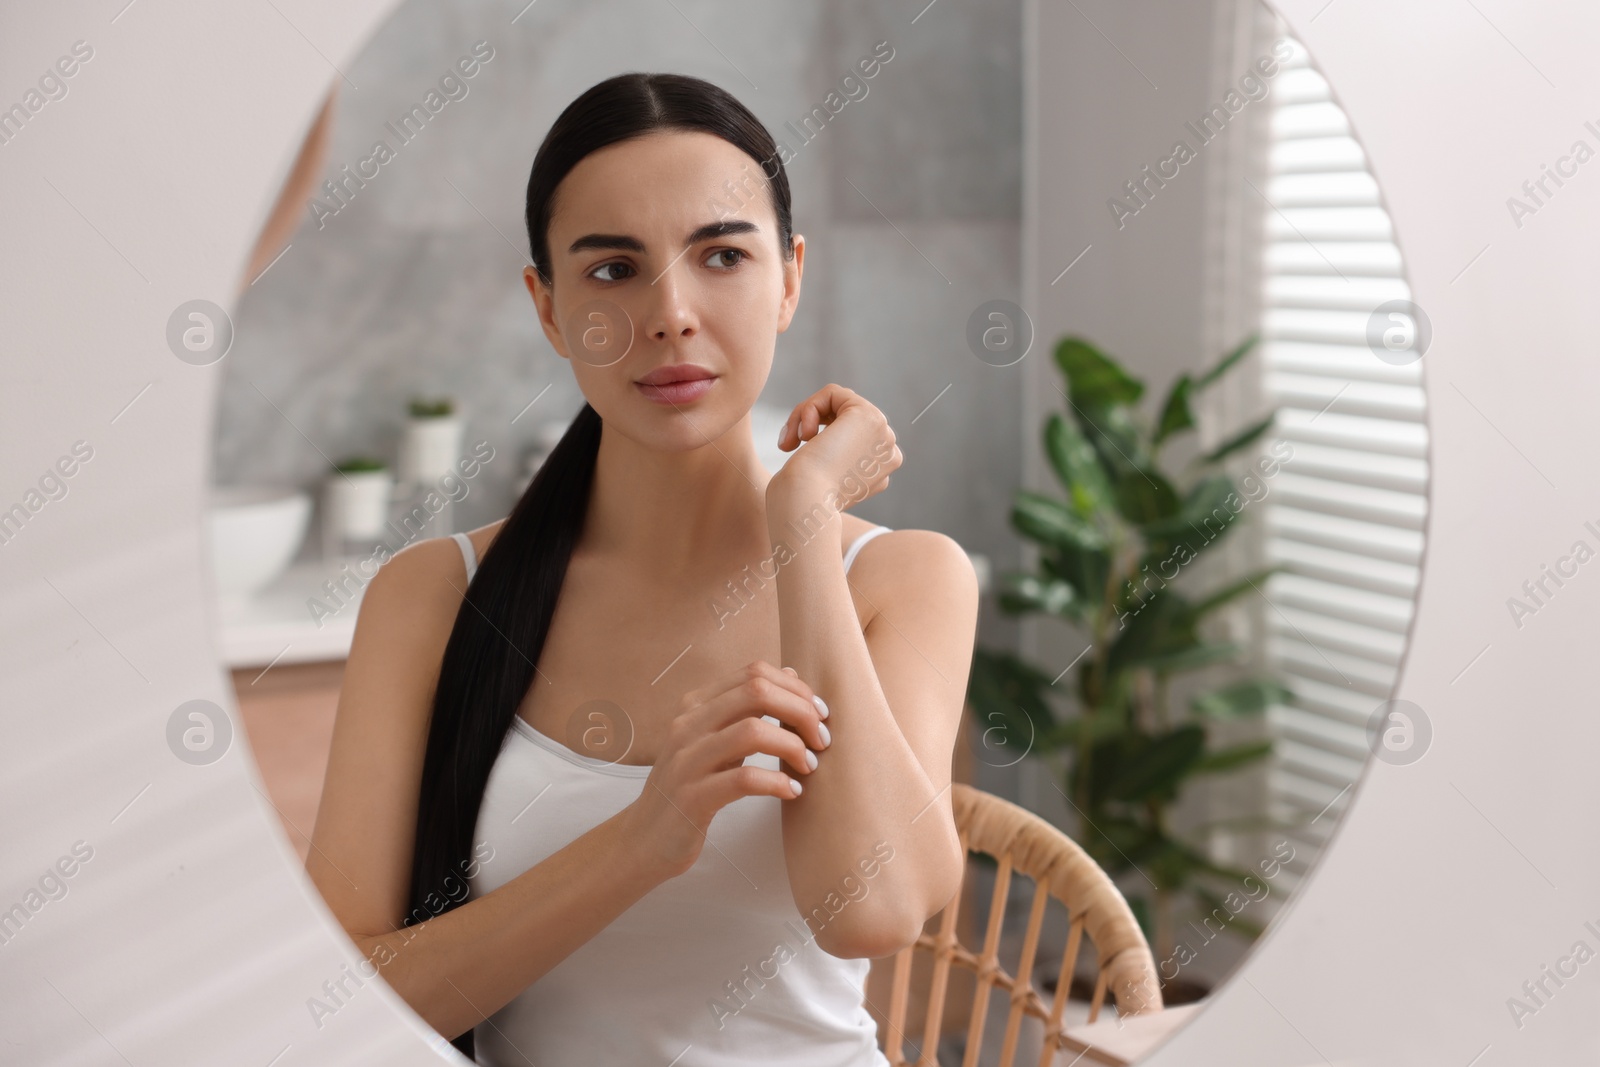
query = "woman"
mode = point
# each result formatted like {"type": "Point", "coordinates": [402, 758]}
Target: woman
{"type": "Point", "coordinates": [660, 651]}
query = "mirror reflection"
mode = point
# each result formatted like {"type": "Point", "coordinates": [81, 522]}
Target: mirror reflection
{"type": "Point", "coordinates": [541, 454]}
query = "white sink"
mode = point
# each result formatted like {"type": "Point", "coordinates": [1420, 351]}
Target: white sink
{"type": "Point", "coordinates": [255, 531]}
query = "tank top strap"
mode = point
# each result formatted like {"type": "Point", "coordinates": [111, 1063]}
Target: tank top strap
{"type": "Point", "coordinates": [860, 542]}
{"type": "Point", "coordinates": [469, 555]}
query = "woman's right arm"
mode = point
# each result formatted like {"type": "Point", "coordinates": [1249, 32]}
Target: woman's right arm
{"type": "Point", "coordinates": [456, 968]}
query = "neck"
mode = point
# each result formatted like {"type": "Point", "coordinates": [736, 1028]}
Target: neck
{"type": "Point", "coordinates": [675, 510]}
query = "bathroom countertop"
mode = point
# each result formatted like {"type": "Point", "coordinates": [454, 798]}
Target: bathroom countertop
{"type": "Point", "coordinates": [277, 626]}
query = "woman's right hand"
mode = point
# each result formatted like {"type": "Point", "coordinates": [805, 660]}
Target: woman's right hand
{"type": "Point", "coordinates": [701, 766]}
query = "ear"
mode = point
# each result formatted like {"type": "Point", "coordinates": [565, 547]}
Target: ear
{"type": "Point", "coordinates": [792, 270]}
{"type": "Point", "coordinates": [544, 302]}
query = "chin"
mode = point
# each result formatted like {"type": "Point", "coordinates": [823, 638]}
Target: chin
{"type": "Point", "coordinates": [681, 430]}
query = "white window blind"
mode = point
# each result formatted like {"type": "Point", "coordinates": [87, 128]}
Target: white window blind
{"type": "Point", "coordinates": [1345, 516]}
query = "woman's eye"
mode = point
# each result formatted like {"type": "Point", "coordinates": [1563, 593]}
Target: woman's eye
{"type": "Point", "coordinates": [608, 266]}
{"type": "Point", "coordinates": [737, 252]}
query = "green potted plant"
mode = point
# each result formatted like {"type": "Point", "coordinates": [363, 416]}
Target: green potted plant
{"type": "Point", "coordinates": [1111, 549]}
{"type": "Point", "coordinates": [357, 493]}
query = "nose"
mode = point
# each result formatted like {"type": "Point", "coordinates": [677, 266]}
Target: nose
{"type": "Point", "coordinates": [671, 313]}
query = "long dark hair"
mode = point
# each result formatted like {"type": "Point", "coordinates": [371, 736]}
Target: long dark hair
{"type": "Point", "coordinates": [500, 627]}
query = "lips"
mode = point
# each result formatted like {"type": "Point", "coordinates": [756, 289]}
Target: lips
{"type": "Point", "coordinates": [675, 372]}
{"type": "Point", "coordinates": [676, 384]}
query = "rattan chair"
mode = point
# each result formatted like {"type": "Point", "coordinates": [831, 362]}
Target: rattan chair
{"type": "Point", "coordinates": [1022, 842]}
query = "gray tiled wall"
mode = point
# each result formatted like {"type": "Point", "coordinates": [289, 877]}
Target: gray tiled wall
{"type": "Point", "coordinates": [909, 200]}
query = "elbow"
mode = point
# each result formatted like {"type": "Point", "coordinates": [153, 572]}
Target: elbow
{"type": "Point", "coordinates": [879, 936]}
{"type": "Point", "coordinates": [873, 933]}
{"type": "Point", "coordinates": [947, 885]}
{"type": "Point", "coordinates": [885, 927]}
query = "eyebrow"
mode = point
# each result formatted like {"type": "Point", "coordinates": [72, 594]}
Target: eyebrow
{"type": "Point", "coordinates": [724, 228]}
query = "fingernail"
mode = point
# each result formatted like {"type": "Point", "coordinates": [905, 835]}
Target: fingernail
{"type": "Point", "coordinates": [811, 759]}
{"type": "Point", "coordinates": [794, 786]}
{"type": "Point", "coordinates": [792, 671]}
{"type": "Point", "coordinates": [827, 738]}
{"type": "Point", "coordinates": [781, 431]}
{"type": "Point", "coordinates": [822, 708]}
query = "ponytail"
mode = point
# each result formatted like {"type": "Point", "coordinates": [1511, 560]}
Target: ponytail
{"type": "Point", "coordinates": [488, 665]}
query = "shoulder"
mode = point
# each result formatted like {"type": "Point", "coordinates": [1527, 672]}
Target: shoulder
{"type": "Point", "coordinates": [916, 569]}
{"type": "Point", "coordinates": [484, 536]}
{"type": "Point", "coordinates": [426, 580]}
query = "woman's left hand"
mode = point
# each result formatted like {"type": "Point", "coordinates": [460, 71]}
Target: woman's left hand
{"type": "Point", "coordinates": [854, 457]}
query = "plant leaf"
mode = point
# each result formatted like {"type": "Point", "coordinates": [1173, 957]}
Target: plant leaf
{"type": "Point", "coordinates": [1227, 759]}
{"type": "Point", "coordinates": [1024, 593]}
{"type": "Point", "coordinates": [1141, 913]}
{"type": "Point", "coordinates": [1093, 378]}
{"type": "Point", "coordinates": [1144, 495]}
{"type": "Point", "coordinates": [1007, 698]}
{"type": "Point", "coordinates": [1227, 362]}
{"type": "Point", "coordinates": [1249, 697]}
{"type": "Point", "coordinates": [1077, 465]}
{"type": "Point", "coordinates": [1098, 725]}
{"type": "Point", "coordinates": [1160, 626]}
{"type": "Point", "coordinates": [1248, 583]}
{"type": "Point", "coordinates": [1244, 927]}
{"type": "Point", "coordinates": [1189, 659]}
{"type": "Point", "coordinates": [1084, 569]}
{"type": "Point", "coordinates": [1175, 413]}
{"type": "Point", "coordinates": [1116, 436]}
{"type": "Point", "coordinates": [1157, 766]}
{"type": "Point", "coordinates": [1204, 517]}
{"type": "Point", "coordinates": [1243, 439]}
{"type": "Point", "coordinates": [1050, 522]}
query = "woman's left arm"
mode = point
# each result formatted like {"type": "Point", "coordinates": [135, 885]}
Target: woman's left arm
{"type": "Point", "coordinates": [871, 844]}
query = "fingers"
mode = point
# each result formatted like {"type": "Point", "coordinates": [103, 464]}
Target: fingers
{"type": "Point", "coordinates": [797, 715]}
{"type": "Point", "coordinates": [810, 421]}
{"type": "Point", "coordinates": [761, 689]}
{"type": "Point", "coordinates": [734, 743]}
{"type": "Point", "coordinates": [815, 411]}
{"type": "Point", "coordinates": [728, 786]}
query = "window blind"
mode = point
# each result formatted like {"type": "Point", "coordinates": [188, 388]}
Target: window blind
{"type": "Point", "coordinates": [1345, 516]}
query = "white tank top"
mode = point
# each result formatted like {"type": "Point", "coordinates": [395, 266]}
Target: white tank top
{"type": "Point", "coordinates": [713, 968]}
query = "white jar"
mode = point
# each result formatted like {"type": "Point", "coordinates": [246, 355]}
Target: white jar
{"type": "Point", "coordinates": [358, 502]}
{"type": "Point", "coordinates": [430, 448]}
